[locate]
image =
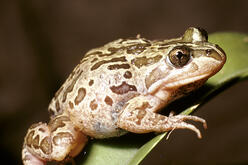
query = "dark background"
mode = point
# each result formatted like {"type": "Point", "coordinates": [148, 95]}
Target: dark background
{"type": "Point", "coordinates": [42, 40]}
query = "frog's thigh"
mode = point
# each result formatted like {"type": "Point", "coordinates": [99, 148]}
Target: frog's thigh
{"type": "Point", "coordinates": [138, 117]}
{"type": "Point", "coordinates": [54, 141]}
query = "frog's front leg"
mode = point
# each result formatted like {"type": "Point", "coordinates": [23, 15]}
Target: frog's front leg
{"type": "Point", "coordinates": [55, 141]}
{"type": "Point", "coordinates": [138, 116]}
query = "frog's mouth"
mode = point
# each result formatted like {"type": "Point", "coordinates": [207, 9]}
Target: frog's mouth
{"type": "Point", "coordinates": [186, 81]}
{"type": "Point", "coordinates": [178, 78]}
{"type": "Point", "coordinates": [198, 76]}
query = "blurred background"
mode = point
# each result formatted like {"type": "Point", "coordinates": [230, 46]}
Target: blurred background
{"type": "Point", "coordinates": [42, 40]}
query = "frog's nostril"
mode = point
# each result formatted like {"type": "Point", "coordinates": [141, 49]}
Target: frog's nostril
{"type": "Point", "coordinates": [218, 54]}
{"type": "Point", "coordinates": [221, 51]}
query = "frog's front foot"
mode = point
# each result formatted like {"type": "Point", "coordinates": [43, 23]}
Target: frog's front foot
{"type": "Point", "coordinates": [178, 122]}
{"type": "Point", "coordinates": [55, 141]}
{"type": "Point", "coordinates": [138, 118]}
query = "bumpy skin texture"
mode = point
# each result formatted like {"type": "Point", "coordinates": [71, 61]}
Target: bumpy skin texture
{"type": "Point", "coordinates": [119, 88]}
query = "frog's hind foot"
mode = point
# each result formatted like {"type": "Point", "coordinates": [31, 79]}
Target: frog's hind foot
{"type": "Point", "coordinates": [54, 141]}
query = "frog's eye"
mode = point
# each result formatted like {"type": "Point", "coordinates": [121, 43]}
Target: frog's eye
{"type": "Point", "coordinates": [179, 56]}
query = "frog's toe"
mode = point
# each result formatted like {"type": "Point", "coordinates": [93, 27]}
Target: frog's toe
{"type": "Point", "coordinates": [184, 125]}
{"type": "Point", "coordinates": [190, 117]}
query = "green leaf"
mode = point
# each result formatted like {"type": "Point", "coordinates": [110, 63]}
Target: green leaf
{"type": "Point", "coordinates": [131, 149]}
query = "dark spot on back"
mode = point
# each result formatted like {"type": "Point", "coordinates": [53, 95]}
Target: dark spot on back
{"type": "Point", "coordinates": [93, 105]}
{"type": "Point", "coordinates": [127, 75]}
{"type": "Point", "coordinates": [80, 96]}
{"type": "Point", "coordinates": [71, 86]}
{"type": "Point", "coordinates": [144, 61]}
{"type": "Point", "coordinates": [98, 64]}
{"type": "Point", "coordinates": [42, 130]}
{"type": "Point", "coordinates": [57, 106]}
{"type": "Point", "coordinates": [71, 105]}
{"type": "Point", "coordinates": [57, 123]}
{"type": "Point", "coordinates": [83, 60]}
{"type": "Point", "coordinates": [108, 100]}
{"type": "Point", "coordinates": [91, 82]}
{"type": "Point", "coordinates": [118, 66]}
{"type": "Point", "coordinates": [95, 59]}
{"type": "Point", "coordinates": [123, 88]}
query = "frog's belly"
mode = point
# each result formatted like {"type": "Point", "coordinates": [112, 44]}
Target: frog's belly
{"type": "Point", "coordinates": [100, 123]}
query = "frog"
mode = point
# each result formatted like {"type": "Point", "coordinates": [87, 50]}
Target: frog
{"type": "Point", "coordinates": [121, 87]}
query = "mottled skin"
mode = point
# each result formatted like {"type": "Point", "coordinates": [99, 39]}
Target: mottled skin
{"type": "Point", "coordinates": [118, 88]}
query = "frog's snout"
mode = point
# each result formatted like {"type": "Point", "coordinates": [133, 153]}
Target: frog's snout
{"type": "Point", "coordinates": [217, 53]}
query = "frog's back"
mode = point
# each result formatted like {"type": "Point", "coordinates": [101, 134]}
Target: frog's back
{"type": "Point", "coordinates": [99, 86]}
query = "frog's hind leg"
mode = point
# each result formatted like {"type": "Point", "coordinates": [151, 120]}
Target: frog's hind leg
{"type": "Point", "coordinates": [138, 117]}
{"type": "Point", "coordinates": [55, 141]}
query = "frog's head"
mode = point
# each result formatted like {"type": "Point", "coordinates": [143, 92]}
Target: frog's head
{"type": "Point", "coordinates": [190, 60]}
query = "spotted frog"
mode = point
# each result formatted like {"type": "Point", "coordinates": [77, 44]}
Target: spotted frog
{"type": "Point", "coordinates": [119, 88]}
